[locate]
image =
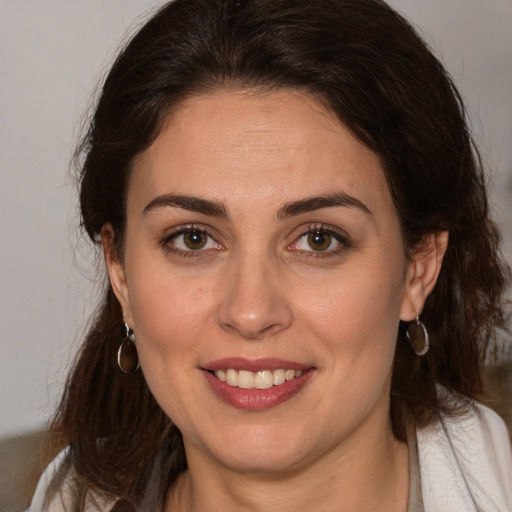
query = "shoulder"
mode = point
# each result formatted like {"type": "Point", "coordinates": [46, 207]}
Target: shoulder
{"type": "Point", "coordinates": [466, 462]}
{"type": "Point", "coordinates": [57, 489]}
{"type": "Point", "coordinates": [42, 499]}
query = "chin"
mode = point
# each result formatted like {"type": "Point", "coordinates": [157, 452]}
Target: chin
{"type": "Point", "coordinates": [260, 450]}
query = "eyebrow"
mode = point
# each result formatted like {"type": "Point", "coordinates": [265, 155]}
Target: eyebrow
{"type": "Point", "coordinates": [317, 202]}
{"type": "Point", "coordinates": [191, 203]}
{"type": "Point", "coordinates": [218, 209]}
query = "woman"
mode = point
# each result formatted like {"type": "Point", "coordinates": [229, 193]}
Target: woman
{"type": "Point", "coordinates": [303, 276]}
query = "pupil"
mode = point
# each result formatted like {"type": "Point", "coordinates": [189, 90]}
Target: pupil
{"type": "Point", "coordinates": [195, 240]}
{"type": "Point", "coordinates": [319, 240]}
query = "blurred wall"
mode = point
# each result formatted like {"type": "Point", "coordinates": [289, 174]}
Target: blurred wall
{"type": "Point", "coordinates": [51, 56]}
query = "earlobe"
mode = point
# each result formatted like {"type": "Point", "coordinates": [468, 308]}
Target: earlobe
{"type": "Point", "coordinates": [115, 268]}
{"type": "Point", "coordinates": [422, 273]}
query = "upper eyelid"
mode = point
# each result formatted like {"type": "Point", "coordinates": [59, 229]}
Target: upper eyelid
{"type": "Point", "coordinates": [322, 227]}
{"type": "Point", "coordinates": [177, 230]}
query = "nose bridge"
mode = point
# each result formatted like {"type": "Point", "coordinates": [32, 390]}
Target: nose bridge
{"type": "Point", "coordinates": [254, 302]}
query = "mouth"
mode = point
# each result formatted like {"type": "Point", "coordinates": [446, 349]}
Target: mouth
{"type": "Point", "coordinates": [257, 384]}
{"type": "Point", "coordinates": [262, 379]}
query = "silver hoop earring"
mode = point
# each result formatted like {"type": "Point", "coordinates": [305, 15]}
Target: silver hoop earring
{"type": "Point", "coordinates": [127, 357]}
{"type": "Point", "coordinates": [418, 336]}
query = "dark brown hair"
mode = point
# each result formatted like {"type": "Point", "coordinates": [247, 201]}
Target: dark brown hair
{"type": "Point", "coordinates": [369, 67]}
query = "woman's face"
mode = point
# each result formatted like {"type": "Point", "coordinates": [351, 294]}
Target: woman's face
{"type": "Point", "coordinates": [262, 244]}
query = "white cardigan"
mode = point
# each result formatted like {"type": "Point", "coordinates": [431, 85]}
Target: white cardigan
{"type": "Point", "coordinates": [465, 466]}
{"type": "Point", "coordinates": [466, 463]}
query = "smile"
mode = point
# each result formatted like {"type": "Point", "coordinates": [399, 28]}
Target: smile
{"type": "Point", "coordinates": [263, 379]}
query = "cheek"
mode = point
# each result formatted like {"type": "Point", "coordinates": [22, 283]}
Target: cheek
{"type": "Point", "coordinates": [355, 296]}
{"type": "Point", "coordinates": [358, 318]}
{"type": "Point", "coordinates": [168, 312]}
{"type": "Point", "coordinates": [169, 319]}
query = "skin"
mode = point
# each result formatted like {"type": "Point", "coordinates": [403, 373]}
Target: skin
{"type": "Point", "coordinates": [259, 289]}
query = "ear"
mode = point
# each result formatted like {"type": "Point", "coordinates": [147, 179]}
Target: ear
{"type": "Point", "coordinates": [115, 270]}
{"type": "Point", "coordinates": [422, 273]}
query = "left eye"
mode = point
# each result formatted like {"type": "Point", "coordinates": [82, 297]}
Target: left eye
{"type": "Point", "coordinates": [318, 240]}
{"type": "Point", "coordinates": [193, 240]}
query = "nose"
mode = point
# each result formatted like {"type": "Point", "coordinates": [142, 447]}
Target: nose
{"type": "Point", "coordinates": [254, 303]}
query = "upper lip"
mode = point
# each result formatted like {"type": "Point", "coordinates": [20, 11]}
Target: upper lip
{"type": "Point", "coordinates": [254, 365]}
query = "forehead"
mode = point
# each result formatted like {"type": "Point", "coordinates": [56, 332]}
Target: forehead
{"type": "Point", "coordinates": [245, 145]}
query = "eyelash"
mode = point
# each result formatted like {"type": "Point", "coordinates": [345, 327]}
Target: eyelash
{"type": "Point", "coordinates": [338, 236]}
{"type": "Point", "coordinates": [169, 246]}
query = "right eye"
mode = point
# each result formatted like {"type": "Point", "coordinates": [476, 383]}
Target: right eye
{"type": "Point", "coordinates": [190, 240]}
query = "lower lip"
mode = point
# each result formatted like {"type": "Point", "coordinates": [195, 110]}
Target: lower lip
{"type": "Point", "coordinates": [257, 399]}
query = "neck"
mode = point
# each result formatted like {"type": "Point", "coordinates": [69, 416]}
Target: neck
{"type": "Point", "coordinates": [370, 474]}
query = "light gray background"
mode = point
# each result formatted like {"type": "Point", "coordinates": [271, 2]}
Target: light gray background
{"type": "Point", "coordinates": [52, 54]}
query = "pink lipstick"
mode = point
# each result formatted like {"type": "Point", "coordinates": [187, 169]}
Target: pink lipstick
{"type": "Point", "coordinates": [256, 384]}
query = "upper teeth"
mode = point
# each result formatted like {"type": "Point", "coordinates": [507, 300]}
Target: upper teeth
{"type": "Point", "coordinates": [263, 379]}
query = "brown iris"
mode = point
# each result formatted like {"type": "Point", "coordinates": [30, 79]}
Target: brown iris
{"type": "Point", "coordinates": [195, 240]}
{"type": "Point", "coordinates": [319, 240]}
